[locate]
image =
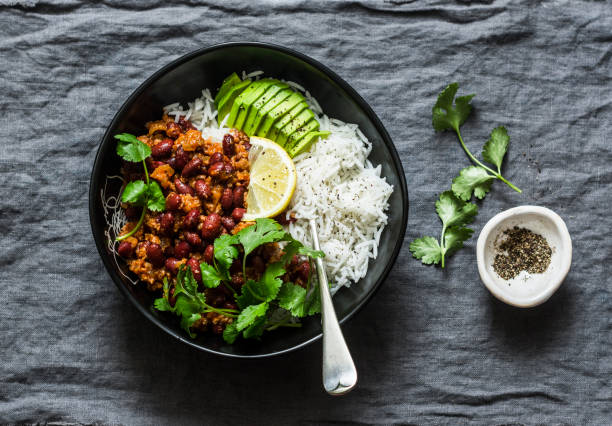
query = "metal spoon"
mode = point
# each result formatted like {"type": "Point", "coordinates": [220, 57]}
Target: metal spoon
{"type": "Point", "coordinates": [339, 372]}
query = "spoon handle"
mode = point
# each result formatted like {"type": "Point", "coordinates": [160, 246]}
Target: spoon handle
{"type": "Point", "coordinates": [339, 372]}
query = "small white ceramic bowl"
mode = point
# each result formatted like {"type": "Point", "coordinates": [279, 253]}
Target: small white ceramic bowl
{"type": "Point", "coordinates": [525, 290]}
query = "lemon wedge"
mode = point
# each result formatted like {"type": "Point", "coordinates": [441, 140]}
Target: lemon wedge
{"type": "Point", "coordinates": [273, 179]}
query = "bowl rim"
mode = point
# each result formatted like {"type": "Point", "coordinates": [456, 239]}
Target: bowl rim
{"type": "Point", "coordinates": [369, 112]}
{"type": "Point", "coordinates": [556, 280]}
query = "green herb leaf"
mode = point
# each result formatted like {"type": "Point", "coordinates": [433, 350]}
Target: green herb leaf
{"type": "Point", "coordinates": [292, 298]}
{"type": "Point", "coordinates": [248, 295]}
{"type": "Point", "coordinates": [270, 284]}
{"type": "Point", "coordinates": [225, 252]}
{"type": "Point", "coordinates": [250, 314]}
{"type": "Point", "coordinates": [307, 251]}
{"type": "Point", "coordinates": [314, 302]}
{"type": "Point", "coordinates": [445, 115]}
{"type": "Point", "coordinates": [264, 231]}
{"type": "Point", "coordinates": [472, 179]}
{"type": "Point", "coordinates": [256, 329]}
{"type": "Point", "coordinates": [453, 211]}
{"type": "Point", "coordinates": [454, 238]}
{"type": "Point", "coordinates": [155, 200]}
{"type": "Point", "coordinates": [135, 193]}
{"type": "Point", "coordinates": [427, 249]}
{"type": "Point", "coordinates": [162, 304]}
{"type": "Point", "coordinates": [230, 333]}
{"type": "Point", "coordinates": [211, 278]}
{"type": "Point", "coordinates": [131, 149]}
{"type": "Point", "coordinates": [496, 147]}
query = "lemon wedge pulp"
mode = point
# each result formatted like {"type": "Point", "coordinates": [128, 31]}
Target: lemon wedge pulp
{"type": "Point", "coordinates": [273, 179]}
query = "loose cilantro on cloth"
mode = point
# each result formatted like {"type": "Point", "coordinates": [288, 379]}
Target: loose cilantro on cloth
{"type": "Point", "coordinates": [147, 195]}
{"type": "Point", "coordinates": [259, 301]}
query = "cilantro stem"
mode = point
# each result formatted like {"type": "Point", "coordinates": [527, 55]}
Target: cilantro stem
{"type": "Point", "coordinates": [495, 174]}
{"type": "Point", "coordinates": [442, 246]}
{"type": "Point", "coordinates": [232, 313]}
{"type": "Point", "coordinates": [144, 209]}
{"type": "Point", "coordinates": [229, 287]}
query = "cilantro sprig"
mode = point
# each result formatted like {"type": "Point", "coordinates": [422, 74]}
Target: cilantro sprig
{"type": "Point", "coordinates": [259, 301]}
{"type": "Point", "coordinates": [474, 179]}
{"type": "Point", "coordinates": [145, 194]}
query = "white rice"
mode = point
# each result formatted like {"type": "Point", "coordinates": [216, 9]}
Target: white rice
{"type": "Point", "coordinates": [337, 185]}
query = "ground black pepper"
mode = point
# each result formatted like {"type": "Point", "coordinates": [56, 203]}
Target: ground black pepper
{"type": "Point", "coordinates": [521, 250]}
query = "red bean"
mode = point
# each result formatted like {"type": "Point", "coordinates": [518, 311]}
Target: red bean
{"type": "Point", "coordinates": [216, 169]}
{"type": "Point", "coordinates": [227, 199]}
{"type": "Point", "coordinates": [182, 249]}
{"type": "Point", "coordinates": [238, 196]}
{"type": "Point", "coordinates": [191, 219]}
{"type": "Point", "coordinates": [230, 305]}
{"type": "Point", "coordinates": [194, 265]}
{"type": "Point", "coordinates": [209, 252]}
{"type": "Point", "coordinates": [237, 214]}
{"type": "Point", "coordinates": [185, 124]}
{"type": "Point", "coordinates": [125, 249]}
{"type": "Point", "coordinates": [162, 149]}
{"type": "Point", "coordinates": [155, 164]}
{"type": "Point", "coordinates": [303, 270]}
{"type": "Point", "coordinates": [228, 145]}
{"type": "Point", "coordinates": [193, 239]}
{"type": "Point", "coordinates": [166, 222]}
{"type": "Point", "coordinates": [202, 189]}
{"type": "Point", "coordinates": [217, 157]}
{"type": "Point", "coordinates": [228, 223]}
{"type": "Point", "coordinates": [193, 167]}
{"type": "Point", "coordinates": [211, 226]}
{"type": "Point", "coordinates": [181, 158]}
{"type": "Point", "coordinates": [237, 279]}
{"type": "Point", "coordinates": [173, 201]}
{"type": "Point", "coordinates": [155, 254]}
{"type": "Point", "coordinates": [173, 130]}
{"type": "Point", "coordinates": [172, 265]}
{"type": "Point", "coordinates": [183, 188]}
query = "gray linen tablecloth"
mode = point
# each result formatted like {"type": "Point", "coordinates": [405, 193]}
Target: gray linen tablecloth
{"type": "Point", "coordinates": [433, 346]}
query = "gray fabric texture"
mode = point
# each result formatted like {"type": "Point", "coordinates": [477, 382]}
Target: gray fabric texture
{"type": "Point", "coordinates": [433, 346]}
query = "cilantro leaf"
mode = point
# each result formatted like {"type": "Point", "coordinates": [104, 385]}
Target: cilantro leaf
{"type": "Point", "coordinates": [453, 211]}
{"type": "Point", "coordinates": [211, 278]}
{"type": "Point", "coordinates": [162, 304]}
{"type": "Point", "coordinates": [292, 297]}
{"type": "Point", "coordinates": [135, 193]}
{"type": "Point", "coordinates": [496, 147]}
{"type": "Point", "coordinates": [454, 238]}
{"type": "Point", "coordinates": [264, 231]}
{"type": "Point", "coordinates": [225, 252]}
{"type": "Point", "coordinates": [250, 314]}
{"type": "Point", "coordinates": [155, 198]}
{"type": "Point", "coordinates": [269, 284]}
{"type": "Point", "coordinates": [472, 179]}
{"type": "Point", "coordinates": [307, 251]}
{"type": "Point", "coordinates": [313, 302]}
{"type": "Point", "coordinates": [230, 333]}
{"type": "Point", "coordinates": [427, 249]}
{"type": "Point", "coordinates": [256, 329]}
{"type": "Point", "coordinates": [248, 295]}
{"type": "Point", "coordinates": [131, 149]}
{"type": "Point", "coordinates": [445, 116]}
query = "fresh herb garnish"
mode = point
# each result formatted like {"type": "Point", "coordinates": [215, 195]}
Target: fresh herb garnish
{"type": "Point", "coordinates": [258, 300]}
{"type": "Point", "coordinates": [474, 179]}
{"type": "Point", "coordinates": [145, 194]}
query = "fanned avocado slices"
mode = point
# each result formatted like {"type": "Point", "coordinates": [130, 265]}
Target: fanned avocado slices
{"type": "Point", "coordinates": [277, 113]}
{"type": "Point", "coordinates": [224, 106]}
{"type": "Point", "coordinates": [306, 142]}
{"type": "Point", "coordinates": [243, 103]}
{"type": "Point", "coordinates": [256, 109]}
{"type": "Point", "coordinates": [298, 121]}
{"type": "Point", "coordinates": [300, 133]}
{"type": "Point", "coordinates": [274, 132]}
{"type": "Point", "coordinates": [227, 84]}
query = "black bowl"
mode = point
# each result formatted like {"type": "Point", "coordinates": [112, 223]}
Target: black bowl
{"type": "Point", "coordinates": [182, 81]}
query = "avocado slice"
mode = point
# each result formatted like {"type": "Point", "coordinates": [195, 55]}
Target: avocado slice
{"type": "Point", "coordinates": [263, 112]}
{"type": "Point", "coordinates": [227, 84]}
{"type": "Point", "coordinates": [274, 133]}
{"type": "Point", "coordinates": [298, 121]}
{"type": "Point", "coordinates": [276, 113]}
{"type": "Point", "coordinates": [306, 142]}
{"type": "Point", "coordinates": [244, 104]}
{"type": "Point", "coordinates": [258, 105]}
{"type": "Point", "coordinates": [225, 104]}
{"type": "Point", "coordinates": [296, 136]}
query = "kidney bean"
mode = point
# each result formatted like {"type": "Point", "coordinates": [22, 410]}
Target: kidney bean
{"type": "Point", "coordinates": [227, 199]}
{"type": "Point", "coordinates": [193, 167]}
{"type": "Point", "coordinates": [183, 188]}
{"type": "Point", "coordinates": [172, 265]}
{"type": "Point", "coordinates": [162, 149]}
{"type": "Point", "coordinates": [193, 239]}
{"type": "Point", "coordinates": [181, 158]}
{"type": "Point", "coordinates": [173, 201]}
{"type": "Point", "coordinates": [238, 196]}
{"type": "Point", "coordinates": [217, 157]}
{"type": "Point", "coordinates": [166, 222]}
{"type": "Point", "coordinates": [209, 252]}
{"type": "Point", "coordinates": [191, 219]}
{"type": "Point", "coordinates": [125, 249]}
{"type": "Point", "coordinates": [155, 164]}
{"type": "Point", "coordinates": [303, 270]}
{"type": "Point", "coordinates": [173, 130]}
{"type": "Point", "coordinates": [228, 223]}
{"type": "Point", "coordinates": [228, 145]}
{"type": "Point", "coordinates": [237, 214]}
{"type": "Point", "coordinates": [211, 226]}
{"type": "Point", "coordinates": [185, 124]}
{"type": "Point", "coordinates": [230, 305]}
{"type": "Point", "coordinates": [133, 212]}
{"type": "Point", "coordinates": [237, 279]}
{"type": "Point", "coordinates": [202, 189]}
{"type": "Point", "coordinates": [217, 329]}
{"type": "Point", "coordinates": [182, 249]}
{"type": "Point", "coordinates": [194, 265]}
{"type": "Point", "coordinates": [155, 254]}
{"type": "Point", "coordinates": [221, 171]}
{"type": "Point", "coordinates": [169, 251]}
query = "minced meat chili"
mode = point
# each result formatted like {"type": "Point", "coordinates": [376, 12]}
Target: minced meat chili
{"type": "Point", "coordinates": [205, 185]}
